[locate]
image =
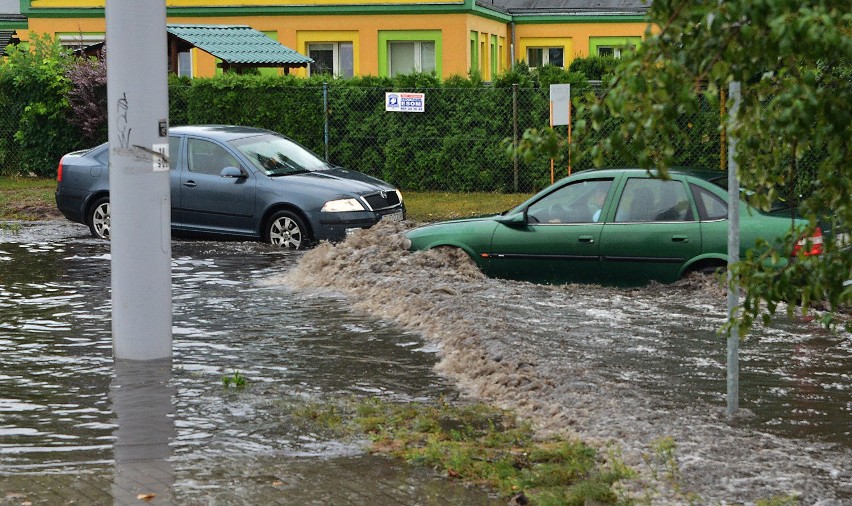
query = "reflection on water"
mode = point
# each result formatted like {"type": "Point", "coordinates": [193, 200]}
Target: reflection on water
{"type": "Point", "coordinates": [66, 408]}
{"type": "Point", "coordinates": [141, 395]}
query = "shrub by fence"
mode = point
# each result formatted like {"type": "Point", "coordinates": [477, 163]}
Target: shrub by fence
{"type": "Point", "coordinates": [457, 144]}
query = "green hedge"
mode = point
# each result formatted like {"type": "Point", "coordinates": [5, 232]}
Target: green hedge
{"type": "Point", "coordinates": [457, 144]}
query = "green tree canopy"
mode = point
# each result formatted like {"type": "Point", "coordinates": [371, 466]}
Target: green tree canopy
{"type": "Point", "coordinates": [793, 60]}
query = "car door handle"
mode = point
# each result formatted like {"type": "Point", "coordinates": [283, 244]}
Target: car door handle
{"type": "Point", "coordinates": [586, 238]}
{"type": "Point", "coordinates": [680, 238]}
{"type": "Point", "coordinates": [190, 184]}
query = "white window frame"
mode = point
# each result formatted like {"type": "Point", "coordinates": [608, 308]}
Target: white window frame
{"type": "Point", "coordinates": [418, 55]}
{"type": "Point", "coordinates": [80, 41]}
{"type": "Point", "coordinates": [616, 50]}
{"type": "Point", "coordinates": [336, 56]}
{"type": "Point", "coordinates": [545, 54]}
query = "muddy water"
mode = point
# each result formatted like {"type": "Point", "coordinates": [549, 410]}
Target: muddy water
{"type": "Point", "coordinates": [74, 426]}
{"type": "Point", "coordinates": [626, 369]}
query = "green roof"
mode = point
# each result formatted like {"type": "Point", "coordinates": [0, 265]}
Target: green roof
{"type": "Point", "coordinates": [238, 45]}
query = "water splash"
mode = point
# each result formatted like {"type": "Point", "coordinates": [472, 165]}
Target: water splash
{"type": "Point", "coordinates": [614, 366]}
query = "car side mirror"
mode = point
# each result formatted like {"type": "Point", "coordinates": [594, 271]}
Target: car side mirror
{"type": "Point", "coordinates": [233, 172]}
{"type": "Point", "coordinates": [515, 220]}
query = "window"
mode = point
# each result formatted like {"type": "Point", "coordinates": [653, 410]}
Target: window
{"type": "Point", "coordinates": [208, 158]}
{"type": "Point", "coordinates": [653, 200]}
{"type": "Point", "coordinates": [406, 57]}
{"type": "Point", "coordinates": [581, 202]}
{"type": "Point", "coordinates": [710, 207]}
{"type": "Point", "coordinates": [184, 64]}
{"type": "Point", "coordinates": [79, 40]}
{"type": "Point", "coordinates": [332, 58]}
{"type": "Point", "coordinates": [614, 51]}
{"type": "Point", "coordinates": [614, 47]}
{"type": "Point", "coordinates": [174, 152]}
{"type": "Point", "coordinates": [495, 55]}
{"type": "Point", "coordinates": [540, 56]}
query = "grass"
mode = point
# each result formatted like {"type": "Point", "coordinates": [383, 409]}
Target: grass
{"type": "Point", "coordinates": [32, 199]}
{"type": "Point", "coordinates": [24, 198]}
{"type": "Point", "coordinates": [479, 445]}
{"type": "Point", "coordinates": [436, 206]}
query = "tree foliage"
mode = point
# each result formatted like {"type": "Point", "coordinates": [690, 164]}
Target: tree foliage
{"type": "Point", "coordinates": [87, 96]}
{"type": "Point", "coordinates": [792, 59]}
{"type": "Point", "coordinates": [35, 131]}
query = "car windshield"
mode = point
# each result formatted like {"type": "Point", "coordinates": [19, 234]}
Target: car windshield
{"type": "Point", "coordinates": [278, 156]}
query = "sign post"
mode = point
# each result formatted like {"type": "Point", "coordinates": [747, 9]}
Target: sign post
{"type": "Point", "coordinates": [560, 114]}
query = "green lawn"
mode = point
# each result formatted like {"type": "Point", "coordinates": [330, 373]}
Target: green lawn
{"type": "Point", "coordinates": [32, 199]}
{"type": "Point", "coordinates": [24, 198]}
{"type": "Point", "coordinates": [435, 206]}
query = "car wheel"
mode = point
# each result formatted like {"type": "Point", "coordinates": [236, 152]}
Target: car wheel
{"type": "Point", "coordinates": [287, 230]}
{"type": "Point", "coordinates": [99, 219]}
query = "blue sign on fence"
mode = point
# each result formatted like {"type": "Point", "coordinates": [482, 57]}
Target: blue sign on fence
{"type": "Point", "coordinates": [405, 102]}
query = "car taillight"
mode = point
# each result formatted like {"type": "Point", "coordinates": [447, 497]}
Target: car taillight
{"type": "Point", "coordinates": [815, 242]}
{"type": "Point", "coordinates": [59, 172]}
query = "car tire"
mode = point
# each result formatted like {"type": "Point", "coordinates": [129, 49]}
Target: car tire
{"type": "Point", "coordinates": [99, 219]}
{"type": "Point", "coordinates": [286, 229]}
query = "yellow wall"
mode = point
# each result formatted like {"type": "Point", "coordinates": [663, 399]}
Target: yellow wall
{"type": "Point", "coordinates": [574, 37]}
{"type": "Point", "coordinates": [456, 29]}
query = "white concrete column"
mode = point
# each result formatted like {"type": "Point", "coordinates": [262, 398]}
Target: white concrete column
{"type": "Point", "coordinates": [140, 208]}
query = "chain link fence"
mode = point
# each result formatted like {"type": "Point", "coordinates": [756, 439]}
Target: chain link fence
{"type": "Point", "coordinates": [461, 142]}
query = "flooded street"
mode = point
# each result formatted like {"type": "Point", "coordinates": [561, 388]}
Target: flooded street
{"type": "Point", "coordinates": [73, 426]}
{"type": "Point", "coordinates": [624, 369]}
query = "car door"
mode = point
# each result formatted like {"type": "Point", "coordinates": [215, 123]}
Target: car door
{"type": "Point", "coordinates": [209, 201]}
{"type": "Point", "coordinates": [653, 233]}
{"type": "Point", "coordinates": [558, 241]}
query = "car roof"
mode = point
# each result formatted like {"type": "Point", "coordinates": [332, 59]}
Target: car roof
{"type": "Point", "coordinates": [705, 174]}
{"type": "Point", "coordinates": [221, 133]}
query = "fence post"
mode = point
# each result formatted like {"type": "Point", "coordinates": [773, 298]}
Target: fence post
{"type": "Point", "coordinates": [325, 117]}
{"type": "Point", "coordinates": [515, 134]}
{"type": "Point", "coordinates": [733, 376]}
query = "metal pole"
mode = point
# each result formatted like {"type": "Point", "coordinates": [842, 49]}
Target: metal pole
{"type": "Point", "coordinates": [515, 134]}
{"type": "Point", "coordinates": [733, 250]}
{"type": "Point", "coordinates": [325, 116]}
{"type": "Point", "coordinates": [140, 206]}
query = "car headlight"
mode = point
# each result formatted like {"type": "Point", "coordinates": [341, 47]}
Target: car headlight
{"type": "Point", "coordinates": [342, 206]}
{"type": "Point", "coordinates": [399, 194]}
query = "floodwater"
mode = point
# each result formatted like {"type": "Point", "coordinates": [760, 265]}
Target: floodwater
{"type": "Point", "coordinates": [75, 427]}
{"type": "Point", "coordinates": [623, 369]}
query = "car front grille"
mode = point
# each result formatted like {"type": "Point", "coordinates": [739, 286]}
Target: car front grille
{"type": "Point", "coordinates": [382, 200]}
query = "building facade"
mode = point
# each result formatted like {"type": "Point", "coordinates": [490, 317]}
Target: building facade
{"type": "Point", "coordinates": [383, 37]}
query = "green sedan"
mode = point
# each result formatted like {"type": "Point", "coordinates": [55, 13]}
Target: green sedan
{"type": "Point", "coordinates": [614, 226]}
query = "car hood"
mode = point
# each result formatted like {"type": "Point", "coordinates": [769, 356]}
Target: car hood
{"type": "Point", "coordinates": [337, 181]}
{"type": "Point", "coordinates": [341, 173]}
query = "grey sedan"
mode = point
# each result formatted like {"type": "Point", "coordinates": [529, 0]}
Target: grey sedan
{"type": "Point", "coordinates": [239, 182]}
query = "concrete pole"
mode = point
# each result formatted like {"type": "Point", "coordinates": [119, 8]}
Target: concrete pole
{"type": "Point", "coordinates": [733, 251]}
{"type": "Point", "coordinates": [140, 206]}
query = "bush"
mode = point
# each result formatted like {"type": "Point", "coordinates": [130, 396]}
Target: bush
{"type": "Point", "coordinates": [35, 131]}
{"type": "Point", "coordinates": [457, 144]}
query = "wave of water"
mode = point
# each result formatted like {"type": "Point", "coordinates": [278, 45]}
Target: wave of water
{"type": "Point", "coordinates": [621, 368]}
